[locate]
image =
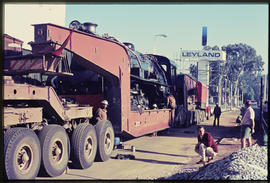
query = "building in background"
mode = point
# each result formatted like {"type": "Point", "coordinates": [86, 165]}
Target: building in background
{"type": "Point", "coordinates": [18, 18]}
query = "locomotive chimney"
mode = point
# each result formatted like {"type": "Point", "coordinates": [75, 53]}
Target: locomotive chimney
{"type": "Point", "coordinates": [90, 27]}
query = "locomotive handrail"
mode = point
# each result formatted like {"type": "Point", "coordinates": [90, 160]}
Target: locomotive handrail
{"type": "Point", "coordinates": [149, 81]}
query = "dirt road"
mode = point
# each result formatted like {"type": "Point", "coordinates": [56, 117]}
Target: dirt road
{"type": "Point", "coordinates": [160, 156]}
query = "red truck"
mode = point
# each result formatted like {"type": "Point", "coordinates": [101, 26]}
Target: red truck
{"type": "Point", "coordinates": [192, 100]}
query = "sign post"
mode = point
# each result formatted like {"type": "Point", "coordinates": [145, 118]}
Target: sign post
{"type": "Point", "coordinates": [204, 36]}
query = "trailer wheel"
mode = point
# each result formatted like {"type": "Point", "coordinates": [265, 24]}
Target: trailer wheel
{"type": "Point", "coordinates": [84, 146]}
{"type": "Point", "coordinates": [54, 147]}
{"type": "Point", "coordinates": [22, 154]}
{"type": "Point", "coordinates": [105, 139]}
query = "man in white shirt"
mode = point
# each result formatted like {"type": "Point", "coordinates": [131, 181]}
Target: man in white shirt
{"type": "Point", "coordinates": [247, 126]}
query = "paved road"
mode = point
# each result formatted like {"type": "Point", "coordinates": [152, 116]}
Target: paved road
{"type": "Point", "coordinates": [162, 155]}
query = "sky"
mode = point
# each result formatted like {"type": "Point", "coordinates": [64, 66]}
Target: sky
{"type": "Point", "coordinates": [20, 26]}
{"type": "Point", "coordinates": [139, 23]}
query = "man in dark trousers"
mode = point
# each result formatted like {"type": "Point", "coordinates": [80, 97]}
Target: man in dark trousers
{"type": "Point", "coordinates": [217, 113]}
{"type": "Point", "coordinates": [206, 146]}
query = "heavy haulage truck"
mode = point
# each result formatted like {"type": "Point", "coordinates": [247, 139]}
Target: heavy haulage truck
{"type": "Point", "coordinates": [50, 94]}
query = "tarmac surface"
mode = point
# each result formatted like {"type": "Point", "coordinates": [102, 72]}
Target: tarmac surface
{"type": "Point", "coordinates": [159, 156]}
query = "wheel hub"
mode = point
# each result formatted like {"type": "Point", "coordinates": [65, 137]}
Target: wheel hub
{"type": "Point", "coordinates": [107, 141]}
{"type": "Point", "coordinates": [57, 150]}
{"type": "Point", "coordinates": [88, 147]}
{"type": "Point", "coordinates": [24, 158]}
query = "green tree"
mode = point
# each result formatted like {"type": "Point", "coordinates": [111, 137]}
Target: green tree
{"type": "Point", "coordinates": [250, 85]}
{"type": "Point", "coordinates": [248, 94]}
{"type": "Point", "coordinates": [241, 58]}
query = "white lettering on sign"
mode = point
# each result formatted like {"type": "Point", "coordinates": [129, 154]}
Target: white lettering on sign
{"type": "Point", "coordinates": [203, 55]}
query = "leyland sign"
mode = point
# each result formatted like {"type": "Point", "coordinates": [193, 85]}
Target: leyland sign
{"type": "Point", "coordinates": [210, 55]}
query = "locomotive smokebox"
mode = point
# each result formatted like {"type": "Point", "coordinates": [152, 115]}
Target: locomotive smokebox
{"type": "Point", "coordinates": [90, 27]}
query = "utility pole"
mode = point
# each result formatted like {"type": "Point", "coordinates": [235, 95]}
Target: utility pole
{"type": "Point", "coordinates": [265, 87]}
{"type": "Point", "coordinates": [197, 74]}
{"type": "Point", "coordinates": [261, 100]}
{"type": "Point", "coordinates": [219, 83]}
{"type": "Point", "coordinates": [242, 97]}
{"type": "Point", "coordinates": [263, 134]}
{"type": "Point", "coordinates": [231, 95]}
{"type": "Point", "coordinates": [225, 98]}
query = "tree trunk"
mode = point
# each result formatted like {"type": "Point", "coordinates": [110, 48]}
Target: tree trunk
{"type": "Point", "coordinates": [219, 90]}
{"type": "Point", "coordinates": [235, 86]}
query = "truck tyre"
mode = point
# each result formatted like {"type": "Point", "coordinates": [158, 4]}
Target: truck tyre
{"type": "Point", "coordinates": [84, 146]}
{"type": "Point", "coordinates": [54, 150]}
{"type": "Point", "coordinates": [105, 139]}
{"type": "Point", "coordinates": [22, 154]}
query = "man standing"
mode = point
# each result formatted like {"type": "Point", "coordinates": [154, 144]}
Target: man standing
{"type": "Point", "coordinates": [206, 146]}
{"type": "Point", "coordinates": [217, 113]}
{"type": "Point", "coordinates": [247, 125]}
{"type": "Point", "coordinates": [171, 103]}
{"type": "Point", "coordinates": [101, 113]}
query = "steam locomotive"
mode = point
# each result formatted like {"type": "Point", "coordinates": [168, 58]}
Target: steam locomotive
{"type": "Point", "coordinates": [150, 82]}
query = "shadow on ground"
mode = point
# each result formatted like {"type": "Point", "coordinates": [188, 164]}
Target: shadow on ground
{"type": "Point", "coordinates": [216, 132]}
{"type": "Point", "coordinates": [159, 162]}
{"type": "Point", "coordinates": [167, 154]}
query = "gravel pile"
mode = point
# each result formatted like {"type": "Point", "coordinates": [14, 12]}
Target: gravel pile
{"type": "Point", "coordinates": [245, 164]}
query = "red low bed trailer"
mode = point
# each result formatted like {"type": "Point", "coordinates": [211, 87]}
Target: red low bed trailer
{"type": "Point", "coordinates": [109, 59]}
{"type": "Point", "coordinates": [47, 114]}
